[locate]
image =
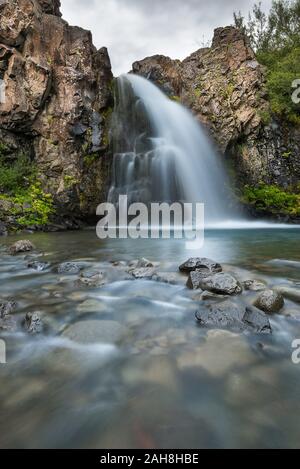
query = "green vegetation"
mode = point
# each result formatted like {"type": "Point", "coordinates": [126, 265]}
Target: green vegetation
{"type": "Point", "coordinates": [19, 186]}
{"type": "Point", "coordinates": [276, 40]}
{"type": "Point", "coordinates": [69, 181]}
{"type": "Point", "coordinates": [272, 199]}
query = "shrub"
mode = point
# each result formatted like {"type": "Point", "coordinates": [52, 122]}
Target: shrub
{"type": "Point", "coordinates": [272, 199]}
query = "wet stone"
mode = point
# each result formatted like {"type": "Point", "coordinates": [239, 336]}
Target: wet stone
{"type": "Point", "coordinates": [33, 323]}
{"type": "Point", "coordinates": [200, 263]}
{"type": "Point", "coordinates": [220, 283]}
{"type": "Point", "coordinates": [68, 268]}
{"type": "Point", "coordinates": [233, 316]}
{"type": "Point", "coordinates": [21, 246]}
{"type": "Point", "coordinates": [270, 301]}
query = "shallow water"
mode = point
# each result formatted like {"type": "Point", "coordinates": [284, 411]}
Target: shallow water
{"type": "Point", "coordinates": [164, 382]}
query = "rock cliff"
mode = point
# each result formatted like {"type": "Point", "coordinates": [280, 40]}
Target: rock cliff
{"type": "Point", "coordinates": [56, 100]}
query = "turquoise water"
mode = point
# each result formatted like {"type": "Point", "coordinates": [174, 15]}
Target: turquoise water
{"type": "Point", "coordinates": [165, 382]}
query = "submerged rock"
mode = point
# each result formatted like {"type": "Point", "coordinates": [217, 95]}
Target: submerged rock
{"type": "Point", "coordinates": [68, 268]}
{"type": "Point", "coordinates": [200, 263]}
{"type": "Point", "coordinates": [254, 285]}
{"type": "Point", "coordinates": [7, 307]}
{"type": "Point", "coordinates": [38, 266]}
{"type": "Point", "coordinates": [21, 246]}
{"type": "Point", "coordinates": [94, 331]}
{"type": "Point", "coordinates": [292, 294]}
{"type": "Point", "coordinates": [221, 283]}
{"type": "Point", "coordinates": [7, 322]}
{"type": "Point", "coordinates": [270, 301]}
{"type": "Point", "coordinates": [172, 278]}
{"type": "Point", "coordinates": [143, 273]}
{"type": "Point", "coordinates": [33, 323]}
{"type": "Point", "coordinates": [91, 279]}
{"type": "Point", "coordinates": [233, 316]}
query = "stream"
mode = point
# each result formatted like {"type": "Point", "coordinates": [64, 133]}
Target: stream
{"type": "Point", "coordinates": [144, 374]}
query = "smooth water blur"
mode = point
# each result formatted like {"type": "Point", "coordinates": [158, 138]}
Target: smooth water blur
{"type": "Point", "coordinates": [167, 383]}
{"type": "Point", "coordinates": [162, 153]}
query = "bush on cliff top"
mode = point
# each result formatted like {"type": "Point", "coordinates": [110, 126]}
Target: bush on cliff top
{"type": "Point", "coordinates": [276, 40]}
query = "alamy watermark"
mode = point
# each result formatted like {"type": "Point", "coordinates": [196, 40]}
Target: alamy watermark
{"type": "Point", "coordinates": [296, 93]}
{"type": "Point", "coordinates": [2, 352]}
{"type": "Point", "coordinates": [154, 221]}
{"type": "Point", "coordinates": [2, 91]}
{"type": "Point", "coordinates": [296, 353]}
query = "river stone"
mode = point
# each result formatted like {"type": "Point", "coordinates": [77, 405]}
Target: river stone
{"type": "Point", "coordinates": [91, 279]}
{"type": "Point", "coordinates": [270, 301]}
{"type": "Point", "coordinates": [172, 278]}
{"type": "Point", "coordinates": [221, 283]}
{"type": "Point", "coordinates": [8, 323]}
{"type": "Point", "coordinates": [233, 316]}
{"type": "Point", "coordinates": [94, 331]}
{"type": "Point", "coordinates": [33, 323]}
{"type": "Point", "coordinates": [292, 294]}
{"type": "Point", "coordinates": [254, 285]}
{"type": "Point", "coordinates": [200, 263]}
{"type": "Point", "coordinates": [68, 268]}
{"type": "Point", "coordinates": [38, 266]}
{"type": "Point", "coordinates": [7, 307]}
{"type": "Point", "coordinates": [143, 273]}
{"type": "Point", "coordinates": [21, 246]}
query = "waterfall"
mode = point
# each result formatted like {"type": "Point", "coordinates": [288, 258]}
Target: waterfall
{"type": "Point", "coordinates": [161, 152]}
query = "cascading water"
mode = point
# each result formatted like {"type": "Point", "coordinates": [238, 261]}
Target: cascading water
{"type": "Point", "coordinates": [161, 153]}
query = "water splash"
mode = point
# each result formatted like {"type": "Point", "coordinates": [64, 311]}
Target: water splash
{"type": "Point", "coordinates": [161, 153]}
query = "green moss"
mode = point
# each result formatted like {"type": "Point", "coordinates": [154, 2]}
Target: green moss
{"type": "Point", "coordinates": [175, 98]}
{"type": "Point", "coordinates": [272, 199]}
{"type": "Point", "coordinates": [90, 159]}
{"type": "Point", "coordinates": [69, 181]}
{"type": "Point", "coordinates": [286, 154]}
{"type": "Point", "coordinates": [265, 116]}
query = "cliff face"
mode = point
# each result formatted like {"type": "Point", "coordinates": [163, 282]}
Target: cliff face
{"type": "Point", "coordinates": [56, 99]}
{"type": "Point", "coordinates": [225, 88]}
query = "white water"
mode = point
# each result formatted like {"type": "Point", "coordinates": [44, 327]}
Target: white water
{"type": "Point", "coordinates": [168, 159]}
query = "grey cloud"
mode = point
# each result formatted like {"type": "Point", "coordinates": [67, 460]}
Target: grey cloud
{"type": "Point", "coordinates": [134, 29]}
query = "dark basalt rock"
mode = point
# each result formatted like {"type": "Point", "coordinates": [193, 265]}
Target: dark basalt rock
{"type": "Point", "coordinates": [221, 283]}
{"type": "Point", "coordinates": [200, 263]}
{"type": "Point", "coordinates": [270, 301]}
{"type": "Point", "coordinates": [233, 316]}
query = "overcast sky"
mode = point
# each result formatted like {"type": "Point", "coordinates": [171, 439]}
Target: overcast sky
{"type": "Point", "coordinates": [135, 29]}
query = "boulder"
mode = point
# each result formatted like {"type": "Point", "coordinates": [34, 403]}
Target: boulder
{"type": "Point", "coordinates": [21, 246]}
{"type": "Point", "coordinates": [270, 301]}
{"type": "Point", "coordinates": [200, 263]}
{"type": "Point", "coordinates": [221, 283]}
{"type": "Point", "coordinates": [233, 316]}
